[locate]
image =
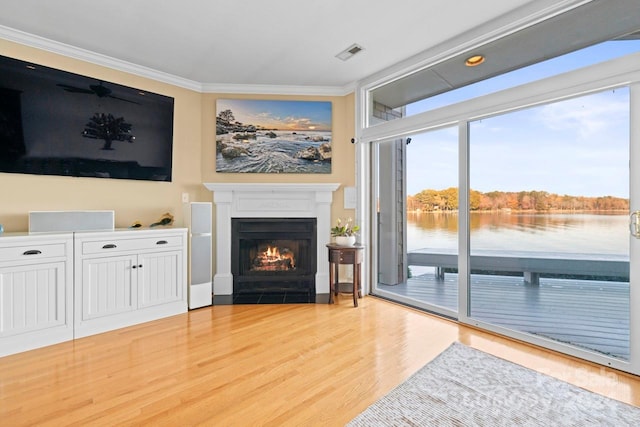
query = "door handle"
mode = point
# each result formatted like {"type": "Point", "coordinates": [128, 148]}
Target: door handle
{"type": "Point", "coordinates": [634, 224]}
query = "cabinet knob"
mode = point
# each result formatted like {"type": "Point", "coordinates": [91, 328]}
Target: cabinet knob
{"type": "Point", "coordinates": [32, 252]}
{"type": "Point", "coordinates": [161, 242]}
{"type": "Point", "coordinates": [134, 266]}
{"type": "Point", "coordinates": [109, 246]}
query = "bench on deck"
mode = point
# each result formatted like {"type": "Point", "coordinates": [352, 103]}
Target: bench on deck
{"type": "Point", "coordinates": [530, 264]}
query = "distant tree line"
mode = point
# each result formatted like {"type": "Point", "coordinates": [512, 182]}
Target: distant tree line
{"type": "Point", "coordinates": [447, 200]}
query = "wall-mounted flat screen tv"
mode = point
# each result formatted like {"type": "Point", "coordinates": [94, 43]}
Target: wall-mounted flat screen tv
{"type": "Point", "coordinates": [54, 122]}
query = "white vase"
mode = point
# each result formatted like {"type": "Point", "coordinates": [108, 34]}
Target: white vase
{"type": "Point", "coordinates": [345, 240]}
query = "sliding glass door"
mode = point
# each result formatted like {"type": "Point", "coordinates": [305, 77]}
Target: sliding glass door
{"type": "Point", "coordinates": [417, 219]}
{"type": "Point", "coordinates": [518, 222]}
{"type": "Point", "coordinates": [548, 218]}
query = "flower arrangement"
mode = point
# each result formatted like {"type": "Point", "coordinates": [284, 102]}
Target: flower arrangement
{"type": "Point", "coordinates": [348, 228]}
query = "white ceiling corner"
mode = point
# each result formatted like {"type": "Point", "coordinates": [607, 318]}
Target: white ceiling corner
{"type": "Point", "coordinates": [251, 46]}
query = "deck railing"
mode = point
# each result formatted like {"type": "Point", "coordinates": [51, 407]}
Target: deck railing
{"type": "Point", "coordinates": [530, 264]}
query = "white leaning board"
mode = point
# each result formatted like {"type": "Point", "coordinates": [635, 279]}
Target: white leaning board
{"type": "Point", "coordinates": [65, 221]}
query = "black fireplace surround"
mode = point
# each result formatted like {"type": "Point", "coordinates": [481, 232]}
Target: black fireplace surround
{"type": "Point", "coordinates": [273, 255]}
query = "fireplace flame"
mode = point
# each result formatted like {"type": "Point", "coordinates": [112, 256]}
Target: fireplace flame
{"type": "Point", "coordinates": [272, 259]}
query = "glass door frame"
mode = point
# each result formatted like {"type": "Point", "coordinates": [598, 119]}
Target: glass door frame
{"type": "Point", "coordinates": [633, 364]}
{"type": "Point", "coordinates": [607, 75]}
{"type": "Point", "coordinates": [375, 178]}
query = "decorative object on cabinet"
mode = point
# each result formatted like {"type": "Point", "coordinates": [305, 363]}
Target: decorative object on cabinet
{"type": "Point", "coordinates": [345, 240]}
{"type": "Point", "coordinates": [345, 232]}
{"type": "Point", "coordinates": [165, 219]}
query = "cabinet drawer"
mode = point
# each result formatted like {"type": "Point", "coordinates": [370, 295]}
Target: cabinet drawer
{"type": "Point", "coordinates": [341, 257]}
{"type": "Point", "coordinates": [117, 245]}
{"type": "Point", "coordinates": [32, 252]}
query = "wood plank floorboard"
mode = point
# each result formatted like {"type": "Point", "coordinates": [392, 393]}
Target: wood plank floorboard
{"type": "Point", "coordinates": [255, 365]}
{"type": "Point", "coordinates": [587, 313]}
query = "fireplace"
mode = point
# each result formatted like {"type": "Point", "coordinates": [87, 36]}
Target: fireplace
{"type": "Point", "coordinates": [273, 255]}
{"type": "Point", "coordinates": [269, 200]}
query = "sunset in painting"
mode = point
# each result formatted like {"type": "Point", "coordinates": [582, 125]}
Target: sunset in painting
{"type": "Point", "coordinates": [280, 115]}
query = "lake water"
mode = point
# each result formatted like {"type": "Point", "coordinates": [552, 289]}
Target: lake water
{"type": "Point", "coordinates": [585, 233]}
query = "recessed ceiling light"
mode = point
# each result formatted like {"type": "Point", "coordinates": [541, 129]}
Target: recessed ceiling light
{"type": "Point", "coordinates": [31, 67]}
{"type": "Point", "coordinates": [350, 51]}
{"type": "Point", "coordinates": [474, 60]}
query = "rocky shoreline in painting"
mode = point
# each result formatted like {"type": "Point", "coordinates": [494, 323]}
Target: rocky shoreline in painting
{"type": "Point", "coordinates": [247, 148]}
{"type": "Point", "coordinates": [238, 146]}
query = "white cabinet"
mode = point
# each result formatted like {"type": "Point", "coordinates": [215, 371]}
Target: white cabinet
{"type": "Point", "coordinates": [59, 286]}
{"type": "Point", "coordinates": [126, 277]}
{"type": "Point", "coordinates": [36, 290]}
{"type": "Point", "coordinates": [107, 286]}
{"type": "Point", "coordinates": [159, 279]}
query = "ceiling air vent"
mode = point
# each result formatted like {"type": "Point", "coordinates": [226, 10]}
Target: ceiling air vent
{"type": "Point", "coordinates": [350, 51]}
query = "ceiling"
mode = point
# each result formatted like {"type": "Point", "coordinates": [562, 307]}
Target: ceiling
{"type": "Point", "coordinates": [251, 42]}
{"type": "Point", "coordinates": [583, 26]}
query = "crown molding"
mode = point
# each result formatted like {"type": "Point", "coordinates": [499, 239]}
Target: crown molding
{"type": "Point", "coordinates": [279, 89]}
{"type": "Point", "coordinates": [38, 42]}
{"type": "Point", "coordinates": [63, 49]}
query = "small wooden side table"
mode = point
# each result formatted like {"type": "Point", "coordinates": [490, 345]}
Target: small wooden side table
{"type": "Point", "coordinates": [345, 255]}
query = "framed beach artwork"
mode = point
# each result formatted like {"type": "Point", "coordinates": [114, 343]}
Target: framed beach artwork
{"type": "Point", "coordinates": [267, 136]}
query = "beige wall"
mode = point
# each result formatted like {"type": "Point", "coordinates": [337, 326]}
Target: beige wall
{"type": "Point", "coordinates": [193, 157]}
{"type": "Point", "coordinates": [343, 151]}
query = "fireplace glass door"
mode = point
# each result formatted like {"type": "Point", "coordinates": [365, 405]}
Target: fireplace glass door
{"type": "Point", "coordinates": [273, 254]}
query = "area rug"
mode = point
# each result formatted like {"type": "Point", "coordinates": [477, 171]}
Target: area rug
{"type": "Point", "coordinates": [467, 387]}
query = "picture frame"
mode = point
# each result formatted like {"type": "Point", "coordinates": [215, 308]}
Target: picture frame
{"type": "Point", "coordinates": [273, 136]}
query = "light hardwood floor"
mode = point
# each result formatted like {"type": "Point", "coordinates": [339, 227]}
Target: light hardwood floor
{"type": "Point", "coordinates": [298, 365]}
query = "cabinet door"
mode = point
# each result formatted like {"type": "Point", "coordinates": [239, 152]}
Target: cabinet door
{"type": "Point", "coordinates": [160, 278]}
{"type": "Point", "coordinates": [32, 297]}
{"type": "Point", "coordinates": [108, 286]}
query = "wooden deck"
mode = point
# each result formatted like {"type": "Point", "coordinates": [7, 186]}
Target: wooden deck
{"type": "Point", "coordinates": [586, 313]}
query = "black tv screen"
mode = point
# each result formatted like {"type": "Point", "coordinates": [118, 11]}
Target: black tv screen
{"type": "Point", "coordinates": [54, 122]}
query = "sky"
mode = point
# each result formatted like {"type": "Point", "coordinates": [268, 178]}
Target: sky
{"type": "Point", "coordinates": [279, 115]}
{"type": "Point", "coordinates": [577, 147]}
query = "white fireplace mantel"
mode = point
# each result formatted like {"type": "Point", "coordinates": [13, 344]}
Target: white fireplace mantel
{"type": "Point", "coordinates": [262, 200]}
